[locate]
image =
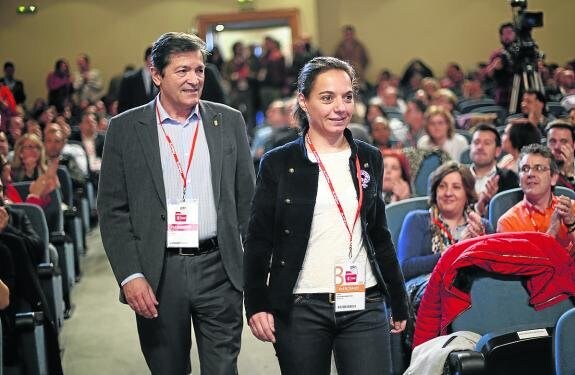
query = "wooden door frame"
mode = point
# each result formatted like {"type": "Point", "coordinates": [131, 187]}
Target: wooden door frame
{"type": "Point", "coordinates": [291, 15]}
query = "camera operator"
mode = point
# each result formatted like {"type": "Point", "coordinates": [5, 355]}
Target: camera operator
{"type": "Point", "coordinates": [500, 67]}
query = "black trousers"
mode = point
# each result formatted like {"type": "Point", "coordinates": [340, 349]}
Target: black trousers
{"type": "Point", "coordinates": [193, 290]}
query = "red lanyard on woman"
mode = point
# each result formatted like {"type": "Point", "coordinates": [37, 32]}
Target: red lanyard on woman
{"type": "Point", "coordinates": [175, 155]}
{"type": "Point", "coordinates": [337, 202]}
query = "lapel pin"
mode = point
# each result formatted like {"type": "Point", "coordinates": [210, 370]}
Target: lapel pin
{"type": "Point", "coordinates": [215, 121]}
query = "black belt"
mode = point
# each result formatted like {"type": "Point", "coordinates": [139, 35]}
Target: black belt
{"type": "Point", "coordinates": [371, 294]}
{"type": "Point", "coordinates": [206, 246]}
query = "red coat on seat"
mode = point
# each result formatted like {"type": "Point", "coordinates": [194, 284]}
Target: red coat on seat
{"type": "Point", "coordinates": [548, 266]}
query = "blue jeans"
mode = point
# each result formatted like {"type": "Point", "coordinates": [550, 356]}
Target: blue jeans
{"type": "Point", "coordinates": [359, 340]}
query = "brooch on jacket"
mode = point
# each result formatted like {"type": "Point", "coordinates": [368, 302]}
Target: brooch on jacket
{"type": "Point", "coordinates": [365, 178]}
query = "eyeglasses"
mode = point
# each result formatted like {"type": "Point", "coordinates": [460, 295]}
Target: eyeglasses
{"type": "Point", "coordinates": [536, 168]}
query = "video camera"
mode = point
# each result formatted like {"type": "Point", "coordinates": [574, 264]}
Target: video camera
{"type": "Point", "coordinates": [524, 52]}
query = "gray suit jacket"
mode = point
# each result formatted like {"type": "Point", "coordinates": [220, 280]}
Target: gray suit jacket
{"type": "Point", "coordinates": [132, 199]}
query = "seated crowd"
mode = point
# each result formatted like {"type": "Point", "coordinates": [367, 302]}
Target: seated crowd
{"type": "Point", "coordinates": [408, 118]}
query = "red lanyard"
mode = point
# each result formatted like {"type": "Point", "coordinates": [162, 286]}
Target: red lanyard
{"type": "Point", "coordinates": [337, 202]}
{"type": "Point", "coordinates": [175, 155]}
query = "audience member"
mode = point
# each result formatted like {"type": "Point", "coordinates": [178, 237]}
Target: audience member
{"type": "Point", "coordinates": [561, 141]}
{"type": "Point", "coordinates": [540, 210]}
{"type": "Point", "coordinates": [415, 121]}
{"type": "Point", "coordinates": [15, 129]}
{"type": "Point", "coordinates": [489, 179]}
{"type": "Point", "coordinates": [272, 72]}
{"type": "Point", "coordinates": [515, 136]}
{"type": "Point", "coordinates": [410, 82]}
{"type": "Point", "coordinates": [440, 129]}
{"type": "Point", "coordinates": [238, 73]}
{"type": "Point", "coordinates": [92, 142]}
{"type": "Point", "coordinates": [87, 81]}
{"type": "Point", "coordinates": [453, 79]}
{"type": "Point", "coordinates": [29, 160]}
{"type": "Point", "coordinates": [60, 86]}
{"type": "Point", "coordinates": [4, 145]}
{"type": "Point", "coordinates": [352, 50]}
{"type": "Point", "coordinates": [16, 86]}
{"type": "Point", "coordinates": [426, 234]}
{"type": "Point", "coordinates": [534, 110]}
{"type": "Point", "coordinates": [396, 184]}
{"type": "Point", "coordinates": [27, 250]}
{"type": "Point", "coordinates": [7, 105]}
{"type": "Point", "coordinates": [137, 88]}
{"type": "Point", "coordinates": [381, 133]}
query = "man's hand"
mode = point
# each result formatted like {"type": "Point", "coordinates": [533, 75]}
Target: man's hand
{"type": "Point", "coordinates": [141, 298]}
{"type": "Point", "coordinates": [567, 152]}
{"type": "Point", "coordinates": [491, 188]}
{"type": "Point", "coordinates": [262, 326]}
{"type": "Point", "coordinates": [555, 223]}
{"type": "Point", "coordinates": [565, 210]}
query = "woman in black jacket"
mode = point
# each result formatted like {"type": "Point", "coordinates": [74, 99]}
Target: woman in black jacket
{"type": "Point", "coordinates": [319, 261]}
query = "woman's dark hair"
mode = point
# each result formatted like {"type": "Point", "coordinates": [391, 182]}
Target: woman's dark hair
{"type": "Point", "coordinates": [58, 63]}
{"type": "Point", "coordinates": [521, 134]}
{"type": "Point", "coordinates": [172, 42]}
{"type": "Point", "coordinates": [308, 75]}
{"type": "Point", "coordinates": [447, 168]}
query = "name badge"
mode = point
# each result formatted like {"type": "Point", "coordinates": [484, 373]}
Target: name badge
{"type": "Point", "coordinates": [349, 286]}
{"type": "Point", "coordinates": [183, 224]}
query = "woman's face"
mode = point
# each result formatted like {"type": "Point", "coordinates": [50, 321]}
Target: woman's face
{"type": "Point", "coordinates": [30, 152]}
{"type": "Point", "coordinates": [329, 105]}
{"type": "Point", "coordinates": [437, 128]}
{"type": "Point", "coordinates": [372, 112]}
{"type": "Point", "coordinates": [391, 172]}
{"type": "Point", "coordinates": [381, 133]}
{"type": "Point", "coordinates": [451, 196]}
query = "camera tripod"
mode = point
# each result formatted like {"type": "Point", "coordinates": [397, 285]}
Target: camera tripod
{"type": "Point", "coordinates": [526, 79]}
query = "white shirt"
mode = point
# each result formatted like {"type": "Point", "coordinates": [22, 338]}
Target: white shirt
{"type": "Point", "coordinates": [454, 146]}
{"type": "Point", "coordinates": [480, 182]}
{"type": "Point", "coordinates": [329, 240]}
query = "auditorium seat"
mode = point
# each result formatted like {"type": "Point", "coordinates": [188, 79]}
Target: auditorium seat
{"type": "Point", "coordinates": [564, 344]}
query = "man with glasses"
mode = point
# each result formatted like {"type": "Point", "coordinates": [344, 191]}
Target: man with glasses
{"type": "Point", "coordinates": [540, 210]}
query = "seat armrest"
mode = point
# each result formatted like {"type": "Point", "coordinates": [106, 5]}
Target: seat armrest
{"type": "Point", "coordinates": [466, 362]}
{"type": "Point", "coordinates": [46, 270]}
{"type": "Point", "coordinates": [58, 238]}
{"type": "Point", "coordinates": [71, 212]}
{"type": "Point", "coordinates": [27, 321]}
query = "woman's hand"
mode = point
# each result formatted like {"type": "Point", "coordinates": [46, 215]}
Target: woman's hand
{"type": "Point", "coordinates": [397, 326]}
{"type": "Point", "coordinates": [474, 226]}
{"type": "Point", "coordinates": [44, 185]}
{"type": "Point", "coordinates": [262, 326]}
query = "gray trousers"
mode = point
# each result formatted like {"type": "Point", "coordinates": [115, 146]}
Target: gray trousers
{"type": "Point", "coordinates": [193, 290]}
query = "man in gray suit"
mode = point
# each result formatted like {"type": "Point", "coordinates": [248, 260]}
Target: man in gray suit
{"type": "Point", "coordinates": [175, 188]}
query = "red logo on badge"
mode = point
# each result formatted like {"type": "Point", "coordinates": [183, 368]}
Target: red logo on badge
{"type": "Point", "coordinates": [350, 277]}
{"type": "Point", "coordinates": [181, 217]}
